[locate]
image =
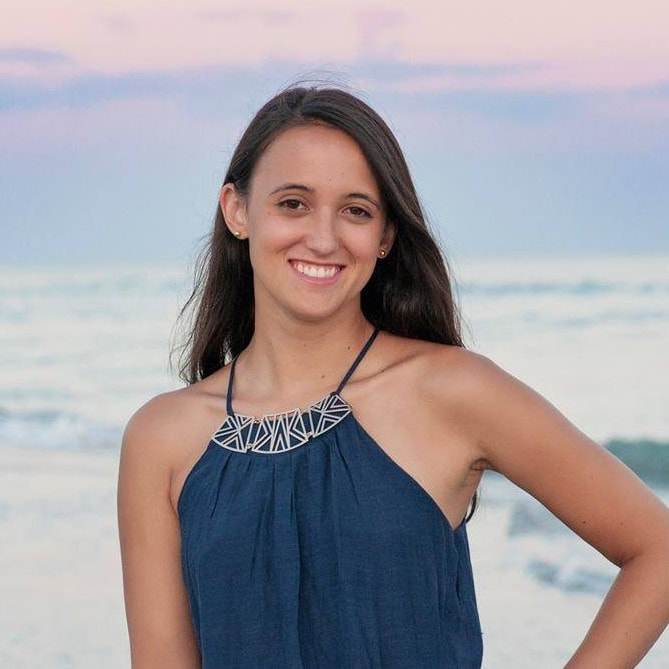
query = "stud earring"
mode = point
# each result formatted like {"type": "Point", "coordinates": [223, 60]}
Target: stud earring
{"type": "Point", "coordinates": [237, 233]}
{"type": "Point", "coordinates": [382, 253]}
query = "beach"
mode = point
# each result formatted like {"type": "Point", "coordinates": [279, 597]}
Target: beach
{"type": "Point", "coordinates": [592, 345]}
{"type": "Point", "coordinates": [61, 574]}
{"type": "Point", "coordinates": [62, 586]}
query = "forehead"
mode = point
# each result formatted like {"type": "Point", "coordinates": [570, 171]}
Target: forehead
{"type": "Point", "coordinates": [316, 155]}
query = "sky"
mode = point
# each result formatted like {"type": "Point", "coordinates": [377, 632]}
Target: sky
{"type": "Point", "coordinates": [529, 127]}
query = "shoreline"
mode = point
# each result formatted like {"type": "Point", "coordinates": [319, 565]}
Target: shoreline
{"type": "Point", "coordinates": [60, 571]}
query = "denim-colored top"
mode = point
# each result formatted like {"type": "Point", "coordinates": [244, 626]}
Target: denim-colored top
{"type": "Point", "coordinates": [304, 544]}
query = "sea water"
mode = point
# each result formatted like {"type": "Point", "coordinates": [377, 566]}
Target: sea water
{"type": "Point", "coordinates": [82, 348]}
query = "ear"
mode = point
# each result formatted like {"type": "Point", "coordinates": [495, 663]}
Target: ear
{"type": "Point", "coordinates": [233, 206]}
{"type": "Point", "coordinates": [389, 235]}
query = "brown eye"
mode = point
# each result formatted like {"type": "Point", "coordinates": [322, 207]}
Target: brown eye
{"type": "Point", "coordinates": [284, 203]}
{"type": "Point", "coordinates": [361, 213]}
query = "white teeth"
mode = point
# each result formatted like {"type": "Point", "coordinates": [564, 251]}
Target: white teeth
{"type": "Point", "coordinates": [319, 272]}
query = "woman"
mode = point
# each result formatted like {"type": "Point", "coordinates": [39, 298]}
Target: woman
{"type": "Point", "coordinates": [304, 504]}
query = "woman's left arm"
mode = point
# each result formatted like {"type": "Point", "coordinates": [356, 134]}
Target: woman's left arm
{"type": "Point", "coordinates": [524, 437]}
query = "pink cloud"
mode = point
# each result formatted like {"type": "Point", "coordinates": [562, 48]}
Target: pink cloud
{"type": "Point", "coordinates": [597, 44]}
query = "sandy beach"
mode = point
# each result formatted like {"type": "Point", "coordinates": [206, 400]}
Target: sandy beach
{"type": "Point", "coordinates": [60, 571]}
{"type": "Point", "coordinates": [67, 390]}
{"type": "Point", "coordinates": [62, 583]}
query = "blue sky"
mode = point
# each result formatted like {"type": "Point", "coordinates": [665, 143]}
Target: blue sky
{"type": "Point", "coordinates": [512, 152]}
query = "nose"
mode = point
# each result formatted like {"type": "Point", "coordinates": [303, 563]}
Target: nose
{"type": "Point", "coordinates": [322, 236]}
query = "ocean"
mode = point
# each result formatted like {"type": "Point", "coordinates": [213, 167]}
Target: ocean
{"type": "Point", "coordinates": [82, 348]}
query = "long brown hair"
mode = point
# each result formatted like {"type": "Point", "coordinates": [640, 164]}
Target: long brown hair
{"type": "Point", "coordinates": [409, 292]}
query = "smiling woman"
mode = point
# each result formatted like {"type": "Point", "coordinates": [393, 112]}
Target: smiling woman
{"type": "Point", "coordinates": [329, 236]}
{"type": "Point", "coordinates": [321, 521]}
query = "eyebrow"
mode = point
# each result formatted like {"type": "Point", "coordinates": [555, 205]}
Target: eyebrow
{"type": "Point", "coordinates": [308, 189]}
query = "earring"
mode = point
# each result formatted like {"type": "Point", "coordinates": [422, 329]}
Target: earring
{"type": "Point", "coordinates": [237, 233]}
{"type": "Point", "coordinates": [382, 253]}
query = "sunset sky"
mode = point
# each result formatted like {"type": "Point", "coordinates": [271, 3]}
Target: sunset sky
{"type": "Point", "coordinates": [529, 127]}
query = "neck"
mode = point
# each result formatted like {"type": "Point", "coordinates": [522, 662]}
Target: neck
{"type": "Point", "coordinates": [293, 360]}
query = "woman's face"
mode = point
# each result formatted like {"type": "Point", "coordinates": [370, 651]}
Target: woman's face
{"type": "Point", "coordinates": [314, 221]}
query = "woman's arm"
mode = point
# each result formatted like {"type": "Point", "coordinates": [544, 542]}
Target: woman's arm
{"type": "Point", "coordinates": [159, 623]}
{"type": "Point", "coordinates": [524, 437]}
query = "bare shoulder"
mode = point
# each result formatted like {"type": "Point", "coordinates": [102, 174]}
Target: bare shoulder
{"type": "Point", "coordinates": [499, 405]}
{"type": "Point", "coordinates": [158, 414]}
{"type": "Point", "coordinates": [453, 380]}
{"type": "Point", "coordinates": [443, 358]}
{"type": "Point", "coordinates": [455, 364]}
{"type": "Point", "coordinates": [156, 426]}
{"type": "Point", "coordinates": [486, 397]}
{"type": "Point", "coordinates": [445, 382]}
{"type": "Point", "coordinates": [166, 429]}
{"type": "Point", "coordinates": [523, 436]}
{"type": "Point", "coordinates": [494, 409]}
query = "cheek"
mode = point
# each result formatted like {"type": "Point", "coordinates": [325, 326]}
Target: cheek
{"type": "Point", "coordinates": [362, 244]}
{"type": "Point", "coordinates": [273, 232]}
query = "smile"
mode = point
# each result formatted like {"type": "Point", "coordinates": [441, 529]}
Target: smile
{"type": "Point", "coordinates": [318, 273]}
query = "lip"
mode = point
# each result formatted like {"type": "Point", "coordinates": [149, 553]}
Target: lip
{"type": "Point", "coordinates": [312, 262]}
{"type": "Point", "coordinates": [319, 281]}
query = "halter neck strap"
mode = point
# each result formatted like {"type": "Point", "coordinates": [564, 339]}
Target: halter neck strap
{"type": "Point", "coordinates": [342, 383]}
{"type": "Point", "coordinates": [359, 357]}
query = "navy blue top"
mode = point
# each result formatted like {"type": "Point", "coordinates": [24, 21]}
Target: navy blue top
{"type": "Point", "coordinates": [304, 544]}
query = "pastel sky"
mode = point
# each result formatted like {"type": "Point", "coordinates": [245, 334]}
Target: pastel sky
{"type": "Point", "coordinates": [530, 127]}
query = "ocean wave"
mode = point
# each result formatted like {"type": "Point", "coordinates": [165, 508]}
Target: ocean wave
{"type": "Point", "coordinates": [54, 430]}
{"type": "Point", "coordinates": [647, 458]}
{"type": "Point", "coordinates": [567, 563]}
{"type": "Point", "coordinates": [585, 288]}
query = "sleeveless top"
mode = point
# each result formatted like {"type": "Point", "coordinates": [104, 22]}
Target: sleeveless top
{"type": "Point", "coordinates": [304, 544]}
